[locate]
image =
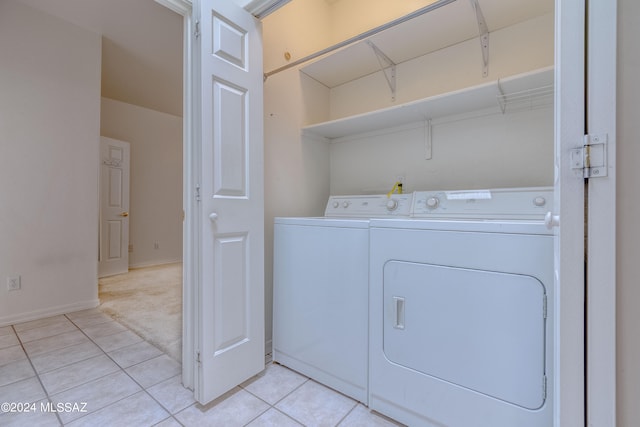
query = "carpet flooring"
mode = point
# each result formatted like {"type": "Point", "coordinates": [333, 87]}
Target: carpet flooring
{"type": "Point", "coordinates": [149, 302]}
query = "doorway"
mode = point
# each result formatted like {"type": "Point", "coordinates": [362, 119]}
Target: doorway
{"type": "Point", "coordinates": [148, 298]}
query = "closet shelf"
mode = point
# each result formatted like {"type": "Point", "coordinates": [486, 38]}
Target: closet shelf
{"type": "Point", "coordinates": [528, 90]}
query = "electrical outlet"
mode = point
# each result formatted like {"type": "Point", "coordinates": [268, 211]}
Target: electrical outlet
{"type": "Point", "coordinates": [156, 245]}
{"type": "Point", "coordinates": [400, 178]}
{"type": "Point", "coordinates": [13, 283]}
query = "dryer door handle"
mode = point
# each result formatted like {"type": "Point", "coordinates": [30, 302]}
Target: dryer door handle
{"type": "Point", "coordinates": [398, 312]}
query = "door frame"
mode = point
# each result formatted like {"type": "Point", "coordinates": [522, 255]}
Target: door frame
{"type": "Point", "coordinates": [601, 221]}
{"type": "Point", "coordinates": [190, 242]}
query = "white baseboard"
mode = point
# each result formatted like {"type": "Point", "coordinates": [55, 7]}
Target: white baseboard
{"type": "Point", "coordinates": [47, 312]}
{"type": "Point", "coordinates": [154, 263]}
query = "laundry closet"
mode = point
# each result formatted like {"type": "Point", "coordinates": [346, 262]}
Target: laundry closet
{"type": "Point", "coordinates": [458, 98]}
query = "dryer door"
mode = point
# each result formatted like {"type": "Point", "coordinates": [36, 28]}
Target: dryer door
{"type": "Point", "coordinates": [481, 330]}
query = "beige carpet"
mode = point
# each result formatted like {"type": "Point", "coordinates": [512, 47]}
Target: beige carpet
{"type": "Point", "coordinates": [149, 302]}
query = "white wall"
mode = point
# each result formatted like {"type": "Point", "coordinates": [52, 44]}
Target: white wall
{"type": "Point", "coordinates": [494, 151]}
{"type": "Point", "coordinates": [156, 179]}
{"type": "Point", "coordinates": [628, 211]}
{"type": "Point", "coordinates": [49, 144]}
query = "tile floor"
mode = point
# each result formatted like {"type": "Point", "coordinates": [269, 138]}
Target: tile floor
{"type": "Point", "coordinates": [87, 357]}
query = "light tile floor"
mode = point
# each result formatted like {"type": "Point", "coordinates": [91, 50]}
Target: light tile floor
{"type": "Point", "coordinates": [86, 357]}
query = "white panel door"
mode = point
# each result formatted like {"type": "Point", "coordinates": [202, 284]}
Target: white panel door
{"type": "Point", "coordinates": [114, 207]}
{"type": "Point", "coordinates": [231, 286]}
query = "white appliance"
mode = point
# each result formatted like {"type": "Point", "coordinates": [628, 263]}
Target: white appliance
{"type": "Point", "coordinates": [461, 310]}
{"type": "Point", "coordinates": [321, 278]}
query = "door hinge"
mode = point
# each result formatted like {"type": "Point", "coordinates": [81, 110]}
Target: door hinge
{"type": "Point", "coordinates": [544, 307]}
{"type": "Point", "coordinates": [197, 30]}
{"type": "Point", "coordinates": [197, 357]}
{"type": "Point", "coordinates": [198, 193]}
{"type": "Point", "coordinates": [544, 387]}
{"type": "Point", "coordinates": [591, 158]}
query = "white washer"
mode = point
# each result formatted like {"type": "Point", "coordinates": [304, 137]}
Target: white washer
{"type": "Point", "coordinates": [461, 317]}
{"type": "Point", "coordinates": [321, 278]}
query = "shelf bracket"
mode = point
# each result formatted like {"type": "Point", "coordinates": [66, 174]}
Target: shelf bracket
{"type": "Point", "coordinates": [484, 36]}
{"type": "Point", "coordinates": [387, 66]}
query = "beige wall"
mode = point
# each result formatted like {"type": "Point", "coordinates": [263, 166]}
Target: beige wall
{"type": "Point", "coordinates": [628, 214]}
{"type": "Point", "coordinates": [296, 170]}
{"type": "Point", "coordinates": [49, 144]}
{"type": "Point", "coordinates": [156, 179]}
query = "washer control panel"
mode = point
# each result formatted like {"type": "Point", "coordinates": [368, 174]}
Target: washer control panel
{"type": "Point", "coordinates": [531, 203]}
{"type": "Point", "coordinates": [374, 206]}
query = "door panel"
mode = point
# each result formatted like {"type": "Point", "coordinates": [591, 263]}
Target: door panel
{"type": "Point", "coordinates": [230, 142]}
{"type": "Point", "coordinates": [231, 286]}
{"type": "Point", "coordinates": [231, 292]}
{"type": "Point", "coordinates": [114, 207]}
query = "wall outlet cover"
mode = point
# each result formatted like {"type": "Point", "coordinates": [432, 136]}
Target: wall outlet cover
{"type": "Point", "coordinates": [13, 283]}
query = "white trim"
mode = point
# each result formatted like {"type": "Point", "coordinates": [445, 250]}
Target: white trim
{"type": "Point", "coordinates": [181, 7]}
{"type": "Point", "coordinates": [601, 255]}
{"type": "Point", "coordinates": [568, 379]}
{"type": "Point", "coordinates": [155, 263]}
{"type": "Point", "coordinates": [262, 8]}
{"type": "Point", "coordinates": [189, 230]}
{"type": "Point", "coordinates": [48, 312]}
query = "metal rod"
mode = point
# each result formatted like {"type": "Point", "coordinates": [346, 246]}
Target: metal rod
{"type": "Point", "coordinates": [361, 36]}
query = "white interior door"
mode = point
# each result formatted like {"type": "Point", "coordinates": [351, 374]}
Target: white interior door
{"type": "Point", "coordinates": [230, 338]}
{"type": "Point", "coordinates": [114, 207]}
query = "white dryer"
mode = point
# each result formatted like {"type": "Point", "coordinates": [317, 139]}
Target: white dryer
{"type": "Point", "coordinates": [320, 288]}
{"type": "Point", "coordinates": [461, 310]}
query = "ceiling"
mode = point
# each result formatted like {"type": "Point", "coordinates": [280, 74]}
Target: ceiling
{"type": "Point", "coordinates": [141, 48]}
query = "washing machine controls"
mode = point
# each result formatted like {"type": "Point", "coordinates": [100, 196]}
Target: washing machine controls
{"type": "Point", "coordinates": [369, 206]}
{"type": "Point", "coordinates": [433, 202]}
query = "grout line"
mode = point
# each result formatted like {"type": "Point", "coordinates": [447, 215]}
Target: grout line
{"type": "Point", "coordinates": [37, 375]}
{"type": "Point", "coordinates": [347, 414]}
{"type": "Point", "coordinates": [142, 388]}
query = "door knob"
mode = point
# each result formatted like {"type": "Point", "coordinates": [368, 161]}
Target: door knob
{"type": "Point", "coordinates": [213, 216]}
{"type": "Point", "coordinates": [124, 214]}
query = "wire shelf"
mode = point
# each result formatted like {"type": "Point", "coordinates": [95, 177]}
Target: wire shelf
{"type": "Point", "coordinates": [525, 99]}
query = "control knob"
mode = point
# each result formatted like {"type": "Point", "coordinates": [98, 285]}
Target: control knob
{"type": "Point", "coordinates": [336, 204]}
{"type": "Point", "coordinates": [433, 202]}
{"type": "Point", "coordinates": [345, 204]}
{"type": "Point", "coordinates": [392, 205]}
{"type": "Point", "coordinates": [539, 201]}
